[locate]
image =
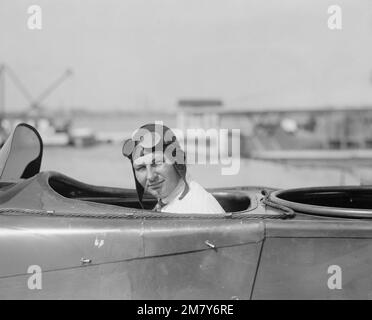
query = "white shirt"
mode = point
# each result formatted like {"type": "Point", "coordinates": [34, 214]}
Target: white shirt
{"type": "Point", "coordinates": [197, 200]}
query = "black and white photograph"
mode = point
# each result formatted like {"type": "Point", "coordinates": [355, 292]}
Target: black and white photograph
{"type": "Point", "coordinates": [185, 150]}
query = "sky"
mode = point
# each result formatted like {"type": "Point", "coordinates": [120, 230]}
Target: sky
{"type": "Point", "coordinates": [139, 55]}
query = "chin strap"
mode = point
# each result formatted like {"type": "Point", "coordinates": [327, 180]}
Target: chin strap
{"type": "Point", "coordinates": [139, 188]}
{"type": "Point", "coordinates": [185, 190]}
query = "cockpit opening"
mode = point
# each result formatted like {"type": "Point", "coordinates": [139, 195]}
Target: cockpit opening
{"type": "Point", "coordinates": [230, 200]}
{"type": "Point", "coordinates": [350, 201]}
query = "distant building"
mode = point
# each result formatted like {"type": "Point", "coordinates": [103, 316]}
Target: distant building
{"type": "Point", "coordinates": [281, 129]}
{"type": "Point", "coordinates": [198, 113]}
{"type": "Point", "coordinates": [205, 114]}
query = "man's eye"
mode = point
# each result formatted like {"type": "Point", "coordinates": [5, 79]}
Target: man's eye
{"type": "Point", "coordinates": [140, 168]}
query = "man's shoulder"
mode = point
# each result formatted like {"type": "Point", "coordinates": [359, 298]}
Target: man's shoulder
{"type": "Point", "coordinates": [204, 200]}
{"type": "Point", "coordinates": [194, 186]}
{"type": "Point", "coordinates": [197, 189]}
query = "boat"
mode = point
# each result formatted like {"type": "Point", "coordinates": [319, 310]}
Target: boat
{"type": "Point", "coordinates": [65, 239]}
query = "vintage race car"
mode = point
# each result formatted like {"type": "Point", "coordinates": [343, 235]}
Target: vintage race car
{"type": "Point", "coordinates": [64, 239]}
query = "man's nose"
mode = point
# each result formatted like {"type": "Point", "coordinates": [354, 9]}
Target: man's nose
{"type": "Point", "coordinates": [151, 174]}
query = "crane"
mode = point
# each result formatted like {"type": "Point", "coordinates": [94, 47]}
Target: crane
{"type": "Point", "coordinates": [34, 103]}
{"type": "Point", "coordinates": [37, 102]}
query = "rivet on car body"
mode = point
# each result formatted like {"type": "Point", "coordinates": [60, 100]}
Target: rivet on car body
{"type": "Point", "coordinates": [85, 261]}
{"type": "Point", "coordinates": [210, 244]}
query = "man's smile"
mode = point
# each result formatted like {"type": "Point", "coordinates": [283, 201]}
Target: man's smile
{"type": "Point", "coordinates": [155, 185]}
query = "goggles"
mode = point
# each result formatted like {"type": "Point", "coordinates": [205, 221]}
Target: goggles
{"type": "Point", "coordinates": [145, 142]}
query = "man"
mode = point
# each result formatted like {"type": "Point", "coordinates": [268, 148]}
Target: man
{"type": "Point", "coordinates": [159, 167]}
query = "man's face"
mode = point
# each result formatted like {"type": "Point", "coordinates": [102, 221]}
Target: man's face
{"type": "Point", "coordinates": [157, 176]}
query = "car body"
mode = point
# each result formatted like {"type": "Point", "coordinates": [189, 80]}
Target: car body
{"type": "Point", "coordinates": [81, 241]}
